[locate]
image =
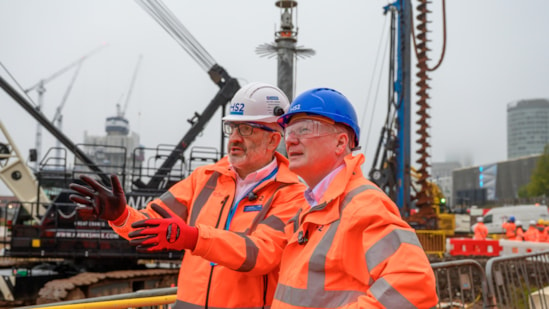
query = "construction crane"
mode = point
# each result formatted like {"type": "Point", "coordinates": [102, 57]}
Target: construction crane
{"type": "Point", "coordinates": [228, 85]}
{"type": "Point", "coordinates": [391, 169]}
{"type": "Point", "coordinates": [118, 124]}
{"type": "Point", "coordinates": [19, 178]}
{"type": "Point", "coordinates": [121, 112]}
{"type": "Point", "coordinates": [41, 89]}
{"type": "Point", "coordinates": [58, 117]}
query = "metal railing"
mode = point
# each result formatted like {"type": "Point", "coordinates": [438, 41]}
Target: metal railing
{"type": "Point", "coordinates": [154, 298]}
{"type": "Point", "coordinates": [516, 282]}
{"type": "Point", "coordinates": [462, 284]}
{"type": "Point", "coordinates": [520, 281]}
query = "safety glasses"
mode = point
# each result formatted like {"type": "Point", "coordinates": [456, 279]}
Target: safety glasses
{"type": "Point", "coordinates": [244, 128]}
{"type": "Point", "coordinates": [309, 128]}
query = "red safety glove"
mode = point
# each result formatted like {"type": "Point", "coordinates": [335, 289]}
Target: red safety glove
{"type": "Point", "coordinates": [163, 234]}
{"type": "Point", "coordinates": [99, 201]}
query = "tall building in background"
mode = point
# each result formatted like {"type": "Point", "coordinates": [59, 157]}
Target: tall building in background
{"type": "Point", "coordinates": [527, 127]}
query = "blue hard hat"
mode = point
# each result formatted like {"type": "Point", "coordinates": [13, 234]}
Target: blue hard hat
{"type": "Point", "coordinates": [512, 219]}
{"type": "Point", "coordinates": [324, 102]}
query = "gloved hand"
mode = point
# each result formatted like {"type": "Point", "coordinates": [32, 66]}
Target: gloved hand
{"type": "Point", "coordinates": [99, 201]}
{"type": "Point", "coordinates": [163, 234]}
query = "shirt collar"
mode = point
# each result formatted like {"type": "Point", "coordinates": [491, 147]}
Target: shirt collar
{"type": "Point", "coordinates": [313, 196]}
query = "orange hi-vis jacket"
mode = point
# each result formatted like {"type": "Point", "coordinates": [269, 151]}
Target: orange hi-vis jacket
{"type": "Point", "coordinates": [481, 231]}
{"type": "Point", "coordinates": [531, 234]}
{"type": "Point", "coordinates": [353, 250]}
{"type": "Point", "coordinates": [520, 233]}
{"type": "Point", "coordinates": [510, 228]}
{"type": "Point", "coordinates": [236, 268]}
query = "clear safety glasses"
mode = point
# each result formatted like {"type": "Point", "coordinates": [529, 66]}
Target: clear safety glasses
{"type": "Point", "coordinates": [309, 128]}
{"type": "Point", "coordinates": [244, 128]}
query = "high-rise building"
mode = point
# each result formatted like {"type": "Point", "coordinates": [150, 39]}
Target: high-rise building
{"type": "Point", "coordinates": [527, 127]}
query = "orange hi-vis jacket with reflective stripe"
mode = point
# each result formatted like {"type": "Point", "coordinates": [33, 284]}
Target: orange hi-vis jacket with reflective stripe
{"type": "Point", "coordinates": [509, 228]}
{"type": "Point", "coordinates": [481, 231]}
{"type": "Point", "coordinates": [236, 268]}
{"type": "Point", "coordinates": [353, 250]}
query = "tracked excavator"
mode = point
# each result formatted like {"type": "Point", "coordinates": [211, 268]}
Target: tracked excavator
{"type": "Point", "coordinates": [54, 254]}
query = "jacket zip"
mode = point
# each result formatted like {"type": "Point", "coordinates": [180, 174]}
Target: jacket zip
{"type": "Point", "coordinates": [265, 286]}
{"type": "Point", "coordinates": [212, 266]}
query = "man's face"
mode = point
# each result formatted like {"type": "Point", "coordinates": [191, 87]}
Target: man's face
{"type": "Point", "coordinates": [247, 146]}
{"type": "Point", "coordinates": [310, 145]}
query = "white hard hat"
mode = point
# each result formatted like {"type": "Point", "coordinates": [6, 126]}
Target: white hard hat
{"type": "Point", "coordinates": [479, 219]}
{"type": "Point", "coordinates": [532, 222]}
{"type": "Point", "coordinates": [518, 222]}
{"type": "Point", "coordinates": [259, 102]}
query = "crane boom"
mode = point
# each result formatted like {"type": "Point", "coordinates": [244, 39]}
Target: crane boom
{"type": "Point", "coordinates": [228, 85]}
{"type": "Point", "coordinates": [44, 81]}
{"type": "Point", "coordinates": [122, 112]}
{"type": "Point", "coordinates": [52, 129]}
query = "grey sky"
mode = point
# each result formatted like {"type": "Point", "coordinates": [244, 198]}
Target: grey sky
{"type": "Point", "coordinates": [496, 54]}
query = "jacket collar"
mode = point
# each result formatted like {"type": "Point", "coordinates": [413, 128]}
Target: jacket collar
{"type": "Point", "coordinates": [327, 212]}
{"type": "Point", "coordinates": [351, 169]}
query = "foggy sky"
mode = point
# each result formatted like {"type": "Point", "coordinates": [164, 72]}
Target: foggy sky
{"type": "Point", "coordinates": [496, 54]}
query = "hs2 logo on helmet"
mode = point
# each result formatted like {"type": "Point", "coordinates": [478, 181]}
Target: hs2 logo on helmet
{"type": "Point", "coordinates": [237, 109]}
{"type": "Point", "coordinates": [295, 107]}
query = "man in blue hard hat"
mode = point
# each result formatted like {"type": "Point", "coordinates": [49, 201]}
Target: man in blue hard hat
{"type": "Point", "coordinates": [347, 245]}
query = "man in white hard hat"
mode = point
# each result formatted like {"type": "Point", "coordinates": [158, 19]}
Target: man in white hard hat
{"type": "Point", "coordinates": [228, 216]}
{"type": "Point", "coordinates": [481, 231]}
{"type": "Point", "coordinates": [532, 233]}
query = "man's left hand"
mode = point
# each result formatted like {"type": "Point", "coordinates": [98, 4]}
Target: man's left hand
{"type": "Point", "coordinates": [169, 233]}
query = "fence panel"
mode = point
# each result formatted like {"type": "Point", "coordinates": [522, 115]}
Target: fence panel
{"type": "Point", "coordinates": [462, 284]}
{"type": "Point", "coordinates": [433, 242]}
{"type": "Point", "coordinates": [520, 281]}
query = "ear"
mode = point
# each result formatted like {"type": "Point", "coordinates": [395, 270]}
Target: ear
{"type": "Point", "coordinates": [274, 140]}
{"type": "Point", "coordinates": [342, 140]}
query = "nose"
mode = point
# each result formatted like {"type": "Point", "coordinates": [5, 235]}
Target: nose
{"type": "Point", "coordinates": [290, 139]}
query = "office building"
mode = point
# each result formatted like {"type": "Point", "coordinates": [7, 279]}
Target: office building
{"type": "Point", "coordinates": [527, 127]}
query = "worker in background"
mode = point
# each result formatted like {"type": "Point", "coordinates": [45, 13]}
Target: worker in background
{"type": "Point", "coordinates": [228, 216]}
{"type": "Point", "coordinates": [545, 233]}
{"type": "Point", "coordinates": [481, 231]}
{"type": "Point", "coordinates": [348, 246]}
{"type": "Point", "coordinates": [532, 233]}
{"type": "Point", "coordinates": [542, 228]}
{"type": "Point", "coordinates": [519, 232]}
{"type": "Point", "coordinates": [510, 227]}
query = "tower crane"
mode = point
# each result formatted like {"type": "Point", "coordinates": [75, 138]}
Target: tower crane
{"type": "Point", "coordinates": [41, 89]}
{"type": "Point", "coordinates": [119, 124]}
{"type": "Point", "coordinates": [122, 112]}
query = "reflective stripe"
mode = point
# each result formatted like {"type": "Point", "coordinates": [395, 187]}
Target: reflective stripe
{"type": "Point", "coordinates": [274, 222]}
{"type": "Point", "coordinates": [315, 295]}
{"type": "Point", "coordinates": [388, 245]}
{"type": "Point", "coordinates": [252, 252]}
{"type": "Point", "coordinates": [203, 197]}
{"type": "Point", "coordinates": [295, 220]}
{"type": "Point", "coordinates": [174, 205]}
{"type": "Point", "coordinates": [315, 299]}
{"type": "Point", "coordinates": [388, 296]}
{"type": "Point", "coordinates": [185, 305]}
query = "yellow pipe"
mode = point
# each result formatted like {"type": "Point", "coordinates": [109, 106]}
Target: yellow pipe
{"type": "Point", "coordinates": [122, 303]}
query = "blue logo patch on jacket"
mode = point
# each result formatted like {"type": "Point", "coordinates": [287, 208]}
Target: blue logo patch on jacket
{"type": "Point", "coordinates": [252, 208]}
